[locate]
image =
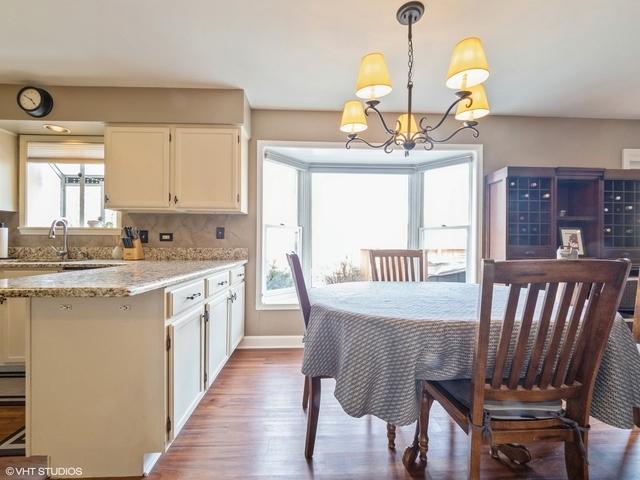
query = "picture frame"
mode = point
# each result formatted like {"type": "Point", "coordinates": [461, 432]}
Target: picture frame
{"type": "Point", "coordinates": [572, 236]}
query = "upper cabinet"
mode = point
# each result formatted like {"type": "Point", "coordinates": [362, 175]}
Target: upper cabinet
{"type": "Point", "coordinates": [137, 162]}
{"type": "Point", "coordinates": [8, 172]}
{"type": "Point", "coordinates": [182, 169]}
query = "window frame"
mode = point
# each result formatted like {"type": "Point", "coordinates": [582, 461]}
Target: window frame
{"type": "Point", "coordinates": [23, 197]}
{"type": "Point", "coordinates": [473, 153]}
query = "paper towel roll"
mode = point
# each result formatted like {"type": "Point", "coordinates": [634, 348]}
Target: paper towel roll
{"type": "Point", "coordinates": [4, 241]}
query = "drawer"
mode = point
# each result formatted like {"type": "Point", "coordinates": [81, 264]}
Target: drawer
{"type": "Point", "coordinates": [523, 252]}
{"type": "Point", "coordinates": [237, 275]}
{"type": "Point", "coordinates": [217, 283]}
{"type": "Point", "coordinates": [632, 254]}
{"type": "Point", "coordinates": [182, 297]}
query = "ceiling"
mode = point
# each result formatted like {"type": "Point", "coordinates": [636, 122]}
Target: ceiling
{"type": "Point", "coordinates": [575, 58]}
{"type": "Point", "coordinates": [36, 127]}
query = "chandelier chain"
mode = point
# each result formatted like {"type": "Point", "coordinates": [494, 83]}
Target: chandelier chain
{"type": "Point", "coordinates": [410, 62]}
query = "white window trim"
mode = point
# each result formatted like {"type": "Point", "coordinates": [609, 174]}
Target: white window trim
{"type": "Point", "coordinates": [22, 205]}
{"type": "Point", "coordinates": [415, 222]}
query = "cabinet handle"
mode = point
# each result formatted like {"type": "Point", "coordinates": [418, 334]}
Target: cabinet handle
{"type": "Point", "coordinates": [175, 199]}
{"type": "Point", "coordinates": [194, 296]}
{"type": "Point", "coordinates": [106, 198]}
{"type": "Point", "coordinates": [240, 275]}
{"type": "Point", "coordinates": [222, 283]}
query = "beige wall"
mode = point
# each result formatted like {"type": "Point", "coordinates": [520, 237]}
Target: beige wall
{"type": "Point", "coordinates": [8, 171]}
{"type": "Point", "coordinates": [140, 105]}
{"type": "Point", "coordinates": [506, 140]}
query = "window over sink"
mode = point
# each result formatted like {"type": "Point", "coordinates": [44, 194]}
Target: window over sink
{"type": "Point", "coordinates": [64, 177]}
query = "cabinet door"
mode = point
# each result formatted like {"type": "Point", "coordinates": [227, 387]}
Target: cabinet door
{"type": "Point", "coordinates": [216, 336]}
{"type": "Point", "coordinates": [207, 169]}
{"type": "Point", "coordinates": [14, 337]}
{"type": "Point", "coordinates": [236, 316]}
{"type": "Point", "coordinates": [185, 367]}
{"type": "Point", "coordinates": [137, 164]}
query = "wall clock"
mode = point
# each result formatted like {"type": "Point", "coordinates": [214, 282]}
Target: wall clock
{"type": "Point", "coordinates": [37, 102]}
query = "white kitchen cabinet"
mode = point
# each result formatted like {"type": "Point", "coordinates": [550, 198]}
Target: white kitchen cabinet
{"type": "Point", "coordinates": [236, 315]}
{"type": "Point", "coordinates": [8, 171]}
{"type": "Point", "coordinates": [186, 336]}
{"type": "Point", "coordinates": [184, 169]}
{"type": "Point", "coordinates": [207, 169]}
{"type": "Point", "coordinates": [216, 328]}
{"type": "Point", "coordinates": [137, 167]}
{"type": "Point", "coordinates": [14, 315]}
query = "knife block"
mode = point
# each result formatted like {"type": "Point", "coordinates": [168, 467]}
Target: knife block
{"type": "Point", "coordinates": [135, 253]}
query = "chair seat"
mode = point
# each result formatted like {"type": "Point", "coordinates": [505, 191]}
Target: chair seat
{"type": "Point", "coordinates": [460, 390]}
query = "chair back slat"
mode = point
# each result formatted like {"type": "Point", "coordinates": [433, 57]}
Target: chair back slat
{"type": "Point", "coordinates": [397, 265]}
{"type": "Point", "coordinates": [585, 333]}
{"type": "Point", "coordinates": [505, 335]}
{"type": "Point", "coordinates": [541, 337]}
{"type": "Point", "coordinates": [558, 326]}
{"type": "Point", "coordinates": [567, 347]}
{"type": "Point", "coordinates": [560, 337]}
{"type": "Point", "coordinates": [523, 336]}
{"type": "Point", "coordinates": [301, 287]}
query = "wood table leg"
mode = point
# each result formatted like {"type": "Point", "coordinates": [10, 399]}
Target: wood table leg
{"type": "Point", "coordinates": [391, 436]}
{"type": "Point", "coordinates": [421, 438]}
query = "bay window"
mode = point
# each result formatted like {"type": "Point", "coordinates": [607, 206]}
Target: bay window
{"type": "Point", "coordinates": [331, 211]}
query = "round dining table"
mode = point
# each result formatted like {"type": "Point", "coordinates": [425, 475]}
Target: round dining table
{"type": "Point", "coordinates": [378, 339]}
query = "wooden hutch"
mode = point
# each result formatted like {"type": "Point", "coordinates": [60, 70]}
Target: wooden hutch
{"type": "Point", "coordinates": [525, 207]}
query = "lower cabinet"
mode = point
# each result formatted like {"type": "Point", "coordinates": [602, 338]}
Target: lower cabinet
{"type": "Point", "coordinates": [236, 316]}
{"type": "Point", "coordinates": [216, 331]}
{"type": "Point", "coordinates": [205, 324]}
{"type": "Point", "coordinates": [185, 342]}
{"type": "Point", "coordinates": [14, 314]}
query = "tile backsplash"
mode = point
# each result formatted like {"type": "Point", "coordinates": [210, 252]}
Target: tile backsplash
{"type": "Point", "coordinates": [189, 231]}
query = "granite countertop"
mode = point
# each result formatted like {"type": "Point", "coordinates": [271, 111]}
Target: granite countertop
{"type": "Point", "coordinates": [105, 278]}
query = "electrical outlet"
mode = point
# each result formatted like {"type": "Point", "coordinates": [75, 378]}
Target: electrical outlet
{"type": "Point", "coordinates": [144, 236]}
{"type": "Point", "coordinates": [166, 237]}
{"type": "Point", "coordinates": [219, 233]}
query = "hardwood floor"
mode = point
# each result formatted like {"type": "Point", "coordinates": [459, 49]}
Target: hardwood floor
{"type": "Point", "coordinates": [250, 425]}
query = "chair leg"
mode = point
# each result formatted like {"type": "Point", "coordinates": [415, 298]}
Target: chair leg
{"type": "Point", "coordinates": [636, 416]}
{"type": "Point", "coordinates": [391, 436]}
{"type": "Point", "coordinates": [475, 452]}
{"type": "Point", "coordinates": [421, 438]}
{"type": "Point", "coordinates": [575, 463]}
{"type": "Point", "coordinates": [305, 394]}
{"type": "Point", "coordinates": [312, 415]}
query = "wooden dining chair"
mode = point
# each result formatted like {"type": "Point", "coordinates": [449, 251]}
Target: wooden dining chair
{"type": "Point", "coordinates": [538, 363]}
{"type": "Point", "coordinates": [311, 390]}
{"type": "Point", "coordinates": [397, 265]}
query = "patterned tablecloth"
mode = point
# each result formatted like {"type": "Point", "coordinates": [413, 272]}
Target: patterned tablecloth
{"type": "Point", "coordinates": [376, 339]}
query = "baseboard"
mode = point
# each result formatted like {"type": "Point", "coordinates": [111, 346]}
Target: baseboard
{"type": "Point", "coordinates": [271, 341]}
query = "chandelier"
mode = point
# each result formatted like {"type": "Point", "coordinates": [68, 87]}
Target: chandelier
{"type": "Point", "coordinates": [467, 71]}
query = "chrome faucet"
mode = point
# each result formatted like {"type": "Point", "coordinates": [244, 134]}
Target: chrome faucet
{"type": "Point", "coordinates": [64, 223]}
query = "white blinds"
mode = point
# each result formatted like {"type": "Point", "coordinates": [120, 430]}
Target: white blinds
{"type": "Point", "coordinates": [65, 152]}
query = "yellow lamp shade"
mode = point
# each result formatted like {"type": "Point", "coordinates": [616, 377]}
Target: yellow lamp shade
{"type": "Point", "coordinates": [468, 66]}
{"type": "Point", "coordinates": [353, 118]}
{"type": "Point", "coordinates": [479, 107]}
{"type": "Point", "coordinates": [402, 124]}
{"type": "Point", "coordinates": [373, 78]}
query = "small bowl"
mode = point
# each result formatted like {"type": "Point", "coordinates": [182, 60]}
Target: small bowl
{"type": "Point", "coordinates": [93, 223]}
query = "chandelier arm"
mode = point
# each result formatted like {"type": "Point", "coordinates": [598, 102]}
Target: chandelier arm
{"type": "Point", "coordinates": [446, 114]}
{"type": "Point", "coordinates": [466, 126]}
{"type": "Point", "coordinates": [384, 124]}
{"type": "Point", "coordinates": [360, 139]}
